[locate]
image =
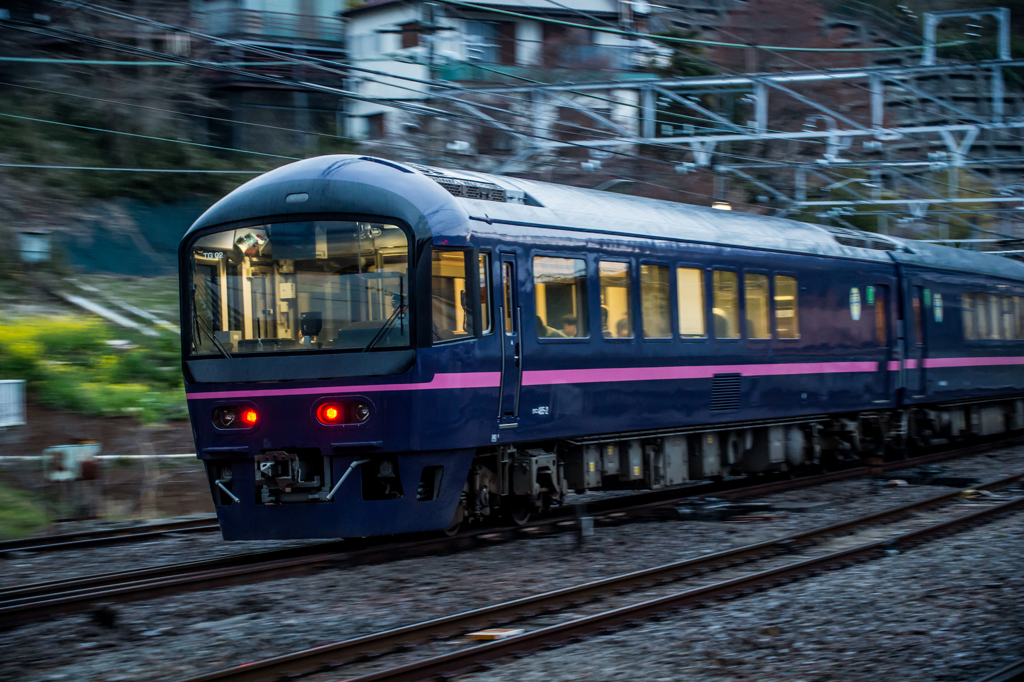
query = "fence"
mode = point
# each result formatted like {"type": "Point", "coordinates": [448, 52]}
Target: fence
{"type": "Point", "coordinates": [254, 23]}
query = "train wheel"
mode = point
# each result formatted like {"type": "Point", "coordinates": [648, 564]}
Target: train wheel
{"type": "Point", "coordinates": [520, 516]}
{"type": "Point", "coordinates": [518, 512]}
{"type": "Point", "coordinates": [456, 524]}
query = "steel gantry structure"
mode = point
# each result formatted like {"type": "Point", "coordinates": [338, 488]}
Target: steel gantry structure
{"type": "Point", "coordinates": [879, 134]}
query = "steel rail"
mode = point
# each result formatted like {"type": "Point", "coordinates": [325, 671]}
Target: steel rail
{"type": "Point", "coordinates": [108, 536]}
{"type": "Point", "coordinates": [208, 523]}
{"type": "Point", "coordinates": [481, 657]}
{"type": "Point", "coordinates": [1011, 673]}
{"type": "Point", "coordinates": [330, 656]}
{"type": "Point", "coordinates": [24, 603]}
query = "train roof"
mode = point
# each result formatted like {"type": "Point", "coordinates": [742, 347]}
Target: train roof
{"type": "Point", "coordinates": [439, 202]}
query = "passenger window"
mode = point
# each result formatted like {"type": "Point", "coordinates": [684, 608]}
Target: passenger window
{"type": "Point", "coordinates": [981, 315]}
{"type": "Point", "coordinates": [453, 318]}
{"type": "Point", "coordinates": [755, 296]}
{"type": "Point", "coordinates": [967, 315]}
{"type": "Point", "coordinates": [787, 319]}
{"type": "Point", "coordinates": [992, 315]}
{"type": "Point", "coordinates": [654, 301]}
{"type": "Point", "coordinates": [616, 302]}
{"type": "Point", "coordinates": [485, 299]}
{"type": "Point", "coordinates": [880, 322]}
{"type": "Point", "coordinates": [918, 318]}
{"type": "Point", "coordinates": [560, 286]}
{"type": "Point", "coordinates": [726, 308]}
{"type": "Point", "coordinates": [1009, 327]}
{"type": "Point", "coordinates": [690, 290]}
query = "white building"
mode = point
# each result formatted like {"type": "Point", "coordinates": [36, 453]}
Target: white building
{"type": "Point", "coordinates": [397, 47]}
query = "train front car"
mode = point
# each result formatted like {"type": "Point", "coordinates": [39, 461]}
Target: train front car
{"type": "Point", "coordinates": [307, 326]}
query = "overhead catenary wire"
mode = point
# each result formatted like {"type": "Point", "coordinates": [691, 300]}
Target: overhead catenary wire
{"type": "Point", "coordinates": [171, 111]}
{"type": "Point", "coordinates": [132, 170]}
{"type": "Point", "coordinates": [337, 91]}
{"type": "Point", "coordinates": [309, 61]}
{"type": "Point", "coordinates": [734, 156]}
{"type": "Point", "coordinates": [146, 137]}
{"type": "Point", "coordinates": [690, 41]}
{"type": "Point", "coordinates": [524, 134]}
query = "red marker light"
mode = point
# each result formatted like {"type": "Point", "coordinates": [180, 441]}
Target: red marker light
{"type": "Point", "coordinates": [235, 417]}
{"type": "Point", "coordinates": [331, 414]}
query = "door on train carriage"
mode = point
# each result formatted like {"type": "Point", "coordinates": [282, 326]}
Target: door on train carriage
{"type": "Point", "coordinates": [512, 348]}
{"type": "Point", "coordinates": [917, 348]}
{"type": "Point", "coordinates": [889, 368]}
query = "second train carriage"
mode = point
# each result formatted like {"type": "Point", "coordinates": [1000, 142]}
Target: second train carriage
{"type": "Point", "coordinates": [374, 348]}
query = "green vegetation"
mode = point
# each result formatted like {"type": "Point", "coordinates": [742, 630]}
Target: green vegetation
{"type": "Point", "coordinates": [70, 364]}
{"type": "Point", "coordinates": [19, 516]}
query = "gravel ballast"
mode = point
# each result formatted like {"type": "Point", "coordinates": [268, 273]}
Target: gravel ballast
{"type": "Point", "coordinates": [186, 634]}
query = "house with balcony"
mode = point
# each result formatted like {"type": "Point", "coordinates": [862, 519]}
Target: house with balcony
{"type": "Point", "coordinates": [405, 50]}
{"type": "Point", "coordinates": [300, 28]}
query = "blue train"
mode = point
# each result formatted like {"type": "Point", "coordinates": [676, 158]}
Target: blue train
{"type": "Point", "coordinates": [373, 347]}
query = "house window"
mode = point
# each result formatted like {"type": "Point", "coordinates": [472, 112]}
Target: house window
{"type": "Point", "coordinates": [410, 35]}
{"type": "Point", "coordinates": [375, 126]}
{"type": "Point", "coordinates": [492, 42]}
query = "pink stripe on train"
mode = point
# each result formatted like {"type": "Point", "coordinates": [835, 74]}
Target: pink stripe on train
{"type": "Point", "coordinates": [997, 361]}
{"type": "Point", "coordinates": [440, 381]}
{"type": "Point", "coordinates": [556, 377]}
{"type": "Point", "coordinates": [620, 374]}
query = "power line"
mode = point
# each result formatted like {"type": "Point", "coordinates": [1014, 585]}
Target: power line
{"type": "Point", "coordinates": [690, 41]}
{"type": "Point", "coordinates": [147, 137]}
{"type": "Point", "coordinates": [171, 111]}
{"type": "Point", "coordinates": [131, 170]}
{"type": "Point", "coordinates": [405, 105]}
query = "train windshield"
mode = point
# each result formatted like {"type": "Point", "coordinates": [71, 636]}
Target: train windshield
{"type": "Point", "coordinates": [300, 286]}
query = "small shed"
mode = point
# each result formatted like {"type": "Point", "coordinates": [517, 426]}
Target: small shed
{"type": "Point", "coordinates": [34, 246]}
{"type": "Point", "coordinates": [12, 403]}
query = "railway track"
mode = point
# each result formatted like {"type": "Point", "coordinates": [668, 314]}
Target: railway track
{"type": "Point", "coordinates": [29, 602]}
{"type": "Point", "coordinates": [111, 536]}
{"type": "Point", "coordinates": [208, 523]}
{"type": "Point", "coordinates": [330, 657]}
{"type": "Point", "coordinates": [1011, 673]}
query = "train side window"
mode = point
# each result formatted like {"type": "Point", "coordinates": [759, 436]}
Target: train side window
{"type": "Point", "coordinates": [690, 292]}
{"type": "Point", "coordinates": [654, 300]}
{"type": "Point", "coordinates": [616, 300]}
{"type": "Point", "coordinates": [560, 287]}
{"type": "Point", "coordinates": [1019, 315]}
{"type": "Point", "coordinates": [485, 290]}
{"type": "Point", "coordinates": [992, 312]}
{"type": "Point", "coordinates": [918, 317]}
{"type": "Point", "coordinates": [880, 317]}
{"type": "Point", "coordinates": [967, 315]}
{"type": "Point", "coordinates": [755, 296]}
{"type": "Point", "coordinates": [1009, 331]}
{"type": "Point", "coordinates": [453, 317]}
{"type": "Point", "coordinates": [726, 305]}
{"type": "Point", "coordinates": [787, 315]}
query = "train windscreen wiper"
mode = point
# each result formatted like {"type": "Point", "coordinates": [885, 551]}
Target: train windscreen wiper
{"type": "Point", "coordinates": [198, 322]}
{"type": "Point", "coordinates": [386, 326]}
